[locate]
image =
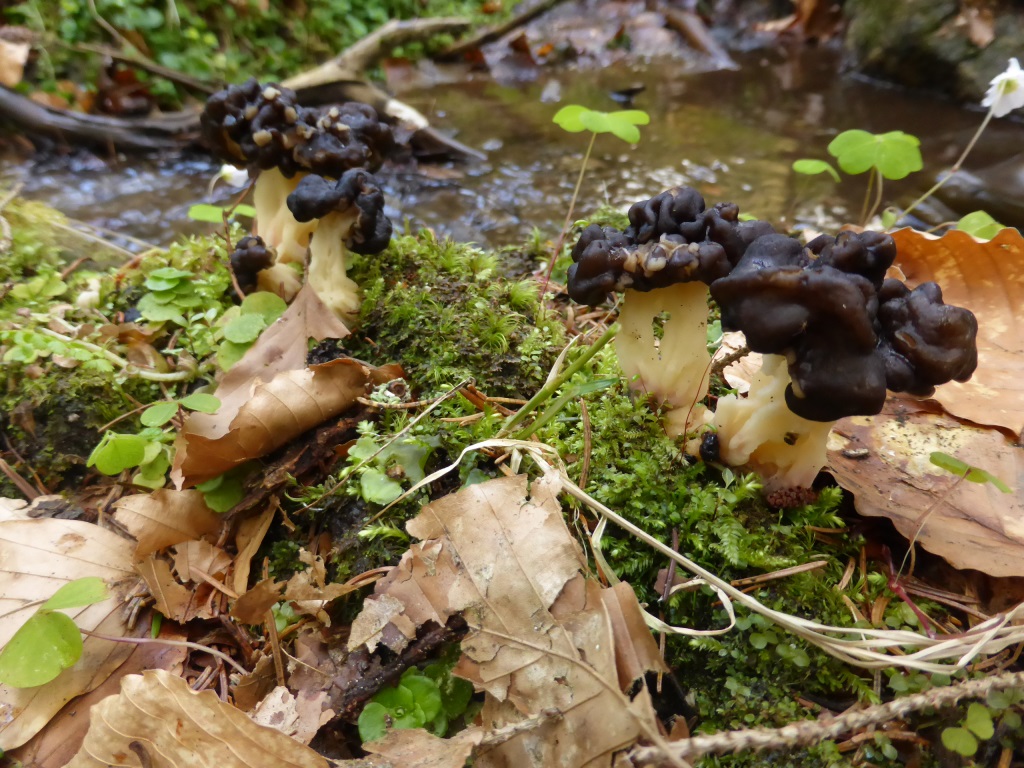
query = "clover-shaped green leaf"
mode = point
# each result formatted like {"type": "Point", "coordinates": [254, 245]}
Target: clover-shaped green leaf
{"type": "Point", "coordinates": [895, 154]}
{"type": "Point", "coordinates": [980, 225]}
{"type": "Point", "coordinates": [117, 452]}
{"type": "Point", "coordinates": [959, 740]}
{"type": "Point", "coordinates": [810, 167]}
{"type": "Point", "coordinates": [49, 642]}
{"type": "Point", "coordinates": [623, 123]}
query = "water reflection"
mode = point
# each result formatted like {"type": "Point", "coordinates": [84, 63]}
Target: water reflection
{"type": "Point", "coordinates": [732, 134]}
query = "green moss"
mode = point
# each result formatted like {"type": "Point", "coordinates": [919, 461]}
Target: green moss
{"type": "Point", "coordinates": [444, 311]}
{"type": "Point", "coordinates": [35, 240]}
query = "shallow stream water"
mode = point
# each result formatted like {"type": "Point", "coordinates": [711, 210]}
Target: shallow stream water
{"type": "Point", "coordinates": [732, 134]}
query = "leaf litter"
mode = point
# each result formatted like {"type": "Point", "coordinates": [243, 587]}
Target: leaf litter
{"type": "Point", "coordinates": [552, 650]}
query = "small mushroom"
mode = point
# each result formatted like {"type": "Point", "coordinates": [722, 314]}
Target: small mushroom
{"type": "Point", "coordinates": [350, 214]}
{"type": "Point", "coordinates": [664, 261]}
{"type": "Point", "coordinates": [250, 257]}
{"type": "Point", "coordinates": [264, 128]}
{"type": "Point", "coordinates": [835, 335]}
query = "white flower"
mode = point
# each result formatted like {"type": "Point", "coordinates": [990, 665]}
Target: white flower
{"type": "Point", "coordinates": [1006, 92]}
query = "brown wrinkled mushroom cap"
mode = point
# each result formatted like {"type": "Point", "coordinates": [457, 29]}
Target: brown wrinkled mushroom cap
{"type": "Point", "coordinates": [249, 257]}
{"type": "Point", "coordinates": [848, 335]}
{"type": "Point", "coordinates": [924, 342]}
{"type": "Point", "coordinates": [316, 197]}
{"type": "Point", "coordinates": [671, 239]}
{"type": "Point", "coordinates": [263, 127]}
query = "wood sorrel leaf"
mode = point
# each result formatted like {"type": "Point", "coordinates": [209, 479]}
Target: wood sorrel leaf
{"type": "Point", "coordinates": [200, 401]}
{"type": "Point", "coordinates": [158, 414]}
{"type": "Point", "coordinates": [569, 118]}
{"type": "Point", "coordinates": [895, 154]}
{"type": "Point", "coordinates": [78, 593]}
{"type": "Point", "coordinates": [44, 646]}
{"type": "Point", "coordinates": [811, 167]}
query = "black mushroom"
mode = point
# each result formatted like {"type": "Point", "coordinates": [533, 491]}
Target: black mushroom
{"type": "Point", "coordinates": [836, 335]}
{"type": "Point", "coordinates": [663, 262]}
{"type": "Point", "coordinates": [263, 128]}
{"type": "Point", "coordinates": [250, 257]}
{"type": "Point", "coordinates": [351, 217]}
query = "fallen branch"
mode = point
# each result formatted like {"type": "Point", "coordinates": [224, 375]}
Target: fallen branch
{"type": "Point", "coordinates": [815, 731]}
{"type": "Point", "coordinates": [171, 130]}
{"type": "Point", "coordinates": [491, 34]}
{"type": "Point", "coordinates": [134, 60]}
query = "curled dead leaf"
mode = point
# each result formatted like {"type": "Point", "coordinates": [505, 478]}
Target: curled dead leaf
{"type": "Point", "coordinates": [158, 721]}
{"type": "Point", "coordinates": [542, 638]}
{"type": "Point", "coordinates": [988, 279]}
{"type": "Point", "coordinates": [884, 461]}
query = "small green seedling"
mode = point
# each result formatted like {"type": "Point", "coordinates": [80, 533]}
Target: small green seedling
{"type": "Point", "coordinates": [977, 725]}
{"type": "Point", "coordinates": [964, 470]}
{"type": "Point", "coordinates": [980, 225]}
{"type": "Point", "coordinates": [376, 465]}
{"type": "Point", "coordinates": [893, 155]}
{"type": "Point", "coordinates": [414, 703]}
{"type": "Point", "coordinates": [431, 698]}
{"type": "Point", "coordinates": [159, 414]}
{"type": "Point", "coordinates": [150, 449]}
{"type": "Point", "coordinates": [49, 642]}
{"type": "Point", "coordinates": [242, 325]}
{"type": "Point", "coordinates": [576, 119]}
{"type": "Point", "coordinates": [623, 123]}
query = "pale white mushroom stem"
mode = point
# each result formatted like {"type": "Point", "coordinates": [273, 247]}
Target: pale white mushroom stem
{"type": "Point", "coordinates": [327, 272]}
{"type": "Point", "coordinates": [761, 431]}
{"type": "Point", "coordinates": [279, 229]}
{"type": "Point", "coordinates": [674, 369]}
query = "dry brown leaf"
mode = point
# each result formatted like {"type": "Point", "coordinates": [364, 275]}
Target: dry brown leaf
{"type": "Point", "coordinates": [37, 557]}
{"type": "Point", "coordinates": [159, 722]}
{"type": "Point", "coordinates": [636, 651]}
{"type": "Point", "coordinates": [57, 743]}
{"type": "Point", "coordinates": [300, 717]}
{"type": "Point", "coordinates": [247, 542]}
{"type": "Point", "coordinates": [415, 748]}
{"type": "Point", "coordinates": [173, 600]}
{"type": "Point", "coordinates": [279, 350]}
{"type": "Point", "coordinates": [309, 592]}
{"type": "Point", "coordinates": [275, 413]}
{"type": "Point", "coordinates": [251, 688]}
{"type": "Point", "coordinates": [541, 637]}
{"type": "Point", "coordinates": [195, 559]}
{"type": "Point", "coordinates": [988, 279]}
{"type": "Point", "coordinates": [252, 607]}
{"type": "Point", "coordinates": [165, 517]}
{"type": "Point", "coordinates": [971, 525]}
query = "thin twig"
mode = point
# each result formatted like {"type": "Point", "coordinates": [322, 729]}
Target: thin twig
{"type": "Point", "coordinates": [176, 643]}
{"type": "Point", "coordinates": [816, 731]}
{"type": "Point", "coordinates": [719, 365]}
{"type": "Point", "coordinates": [22, 484]}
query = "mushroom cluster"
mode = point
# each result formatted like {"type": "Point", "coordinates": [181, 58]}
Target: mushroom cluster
{"type": "Point", "coordinates": [673, 249]}
{"type": "Point", "coordinates": [835, 333]}
{"type": "Point", "coordinates": [264, 129]}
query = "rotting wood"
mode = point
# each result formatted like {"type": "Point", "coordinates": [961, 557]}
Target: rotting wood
{"type": "Point", "coordinates": [171, 130]}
